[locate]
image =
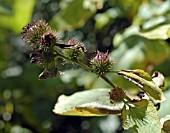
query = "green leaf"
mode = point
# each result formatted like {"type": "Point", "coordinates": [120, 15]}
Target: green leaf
{"type": "Point", "coordinates": [137, 52]}
{"type": "Point", "coordinates": [5, 8]}
{"type": "Point", "coordinates": [17, 20]}
{"type": "Point", "coordinates": [145, 82]}
{"type": "Point", "coordinates": [141, 117]}
{"type": "Point", "coordinates": [160, 32]}
{"type": "Point", "coordinates": [75, 13]}
{"type": "Point", "coordinates": [128, 8]}
{"type": "Point", "coordinates": [165, 122]}
{"type": "Point", "coordinates": [95, 102]}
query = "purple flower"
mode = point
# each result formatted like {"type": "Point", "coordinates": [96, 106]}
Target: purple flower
{"type": "Point", "coordinates": [38, 35]}
{"type": "Point", "coordinates": [101, 63]}
{"type": "Point", "coordinates": [101, 57]}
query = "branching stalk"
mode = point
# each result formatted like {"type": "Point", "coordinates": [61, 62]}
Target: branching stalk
{"type": "Point", "coordinates": [60, 55]}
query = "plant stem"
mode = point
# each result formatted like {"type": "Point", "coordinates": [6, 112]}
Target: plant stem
{"type": "Point", "coordinates": [59, 54]}
{"type": "Point", "coordinates": [108, 81]}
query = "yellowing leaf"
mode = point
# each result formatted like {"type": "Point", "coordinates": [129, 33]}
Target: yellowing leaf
{"type": "Point", "coordinates": [161, 32]}
{"type": "Point", "coordinates": [145, 82]}
{"type": "Point", "coordinates": [141, 117]}
{"type": "Point", "coordinates": [95, 102]}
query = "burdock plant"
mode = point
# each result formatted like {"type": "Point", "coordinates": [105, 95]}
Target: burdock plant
{"type": "Point", "coordinates": [138, 114]}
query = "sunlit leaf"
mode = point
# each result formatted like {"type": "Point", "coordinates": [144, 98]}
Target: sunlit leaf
{"type": "Point", "coordinates": [141, 117]}
{"type": "Point", "coordinates": [74, 14]}
{"type": "Point", "coordinates": [95, 102]}
{"type": "Point", "coordinates": [160, 32]}
{"type": "Point", "coordinates": [128, 8]}
{"type": "Point", "coordinates": [150, 10]}
{"type": "Point", "coordinates": [137, 52]}
{"type": "Point", "coordinates": [17, 20]}
{"type": "Point", "coordinates": [145, 82]}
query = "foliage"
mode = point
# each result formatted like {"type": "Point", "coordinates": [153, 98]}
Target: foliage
{"type": "Point", "coordinates": [141, 117]}
{"type": "Point", "coordinates": [97, 103]}
{"type": "Point", "coordinates": [133, 36]}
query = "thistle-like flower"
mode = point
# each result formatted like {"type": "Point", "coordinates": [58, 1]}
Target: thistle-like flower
{"type": "Point", "coordinates": [43, 42]}
{"type": "Point", "coordinates": [41, 39]}
{"type": "Point", "coordinates": [117, 95]}
{"type": "Point", "coordinates": [101, 63]}
{"type": "Point", "coordinates": [38, 35]}
{"type": "Point", "coordinates": [44, 59]}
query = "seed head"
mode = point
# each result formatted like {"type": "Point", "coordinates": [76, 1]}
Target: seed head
{"type": "Point", "coordinates": [38, 35]}
{"type": "Point", "coordinates": [101, 63]}
{"type": "Point", "coordinates": [44, 59]}
{"type": "Point", "coordinates": [48, 39]}
{"type": "Point", "coordinates": [117, 95]}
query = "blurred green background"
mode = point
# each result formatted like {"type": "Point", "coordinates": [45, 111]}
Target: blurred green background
{"type": "Point", "coordinates": [135, 32]}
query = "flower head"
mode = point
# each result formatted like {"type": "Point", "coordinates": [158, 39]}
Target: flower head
{"type": "Point", "coordinates": [117, 95]}
{"type": "Point", "coordinates": [44, 59]}
{"type": "Point", "coordinates": [46, 47]}
{"type": "Point", "coordinates": [48, 39]}
{"type": "Point", "coordinates": [38, 35]}
{"type": "Point", "coordinates": [101, 63]}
